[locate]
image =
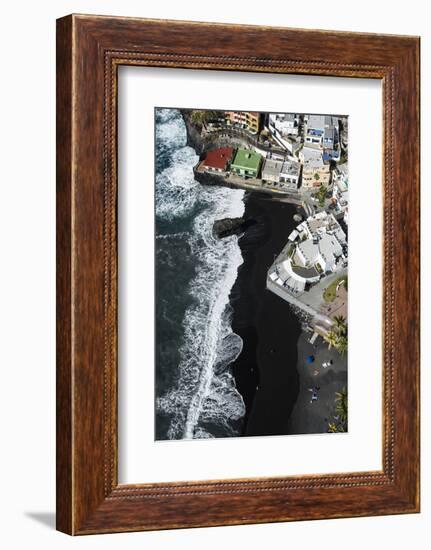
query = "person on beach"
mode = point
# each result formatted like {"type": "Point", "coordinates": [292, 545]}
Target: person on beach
{"type": "Point", "coordinates": [314, 393]}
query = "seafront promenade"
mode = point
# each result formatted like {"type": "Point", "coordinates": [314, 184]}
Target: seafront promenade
{"type": "Point", "coordinates": [309, 301]}
{"type": "Point", "coordinates": [226, 179]}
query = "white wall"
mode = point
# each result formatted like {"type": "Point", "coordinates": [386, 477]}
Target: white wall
{"type": "Point", "coordinates": [27, 218]}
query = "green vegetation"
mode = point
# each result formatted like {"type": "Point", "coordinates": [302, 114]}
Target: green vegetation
{"type": "Point", "coordinates": [340, 324]}
{"type": "Point", "coordinates": [331, 338]}
{"type": "Point", "coordinates": [339, 421]}
{"type": "Point", "coordinates": [321, 194]}
{"type": "Point", "coordinates": [200, 118]}
{"type": "Point", "coordinates": [330, 291]}
{"type": "Point", "coordinates": [342, 344]}
{"type": "Point", "coordinates": [337, 337]}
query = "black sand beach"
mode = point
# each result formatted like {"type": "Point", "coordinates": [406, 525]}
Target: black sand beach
{"type": "Point", "coordinates": [266, 371]}
{"type": "Point", "coordinates": [312, 417]}
{"type": "Point", "coordinates": [270, 373]}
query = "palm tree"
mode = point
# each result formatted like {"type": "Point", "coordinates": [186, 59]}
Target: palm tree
{"type": "Point", "coordinates": [341, 405]}
{"type": "Point", "coordinates": [201, 117]}
{"type": "Point", "coordinates": [340, 323]}
{"type": "Point", "coordinates": [339, 421]}
{"type": "Point", "coordinates": [341, 344]}
{"type": "Point", "coordinates": [332, 339]}
{"type": "Point", "coordinates": [321, 194]}
{"type": "Point", "coordinates": [339, 320]}
{"type": "Point", "coordinates": [332, 427]}
{"type": "Point", "coordinates": [197, 117]}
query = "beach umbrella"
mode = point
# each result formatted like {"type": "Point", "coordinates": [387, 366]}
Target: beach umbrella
{"type": "Point", "coordinates": [310, 359]}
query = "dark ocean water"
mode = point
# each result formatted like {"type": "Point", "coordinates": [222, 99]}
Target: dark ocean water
{"type": "Point", "coordinates": [196, 395]}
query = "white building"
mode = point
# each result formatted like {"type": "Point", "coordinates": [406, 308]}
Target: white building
{"type": "Point", "coordinates": [330, 252]}
{"type": "Point", "coordinates": [314, 131]}
{"type": "Point", "coordinates": [290, 174]}
{"type": "Point", "coordinates": [318, 246]}
{"type": "Point", "coordinates": [271, 170]}
{"type": "Point", "coordinates": [308, 252]}
{"type": "Point", "coordinates": [323, 250]}
{"type": "Point", "coordinates": [283, 126]}
{"type": "Point", "coordinates": [321, 132]}
{"type": "Point", "coordinates": [319, 224]}
{"type": "Point", "coordinates": [285, 123]}
{"type": "Point", "coordinates": [340, 190]}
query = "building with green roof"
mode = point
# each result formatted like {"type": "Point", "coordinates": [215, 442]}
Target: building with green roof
{"type": "Point", "coordinates": [246, 163]}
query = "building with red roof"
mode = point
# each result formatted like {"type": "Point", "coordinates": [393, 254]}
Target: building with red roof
{"type": "Point", "coordinates": [218, 160]}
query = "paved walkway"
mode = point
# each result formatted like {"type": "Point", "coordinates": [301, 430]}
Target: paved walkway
{"type": "Point", "coordinates": [247, 137]}
{"type": "Point", "coordinates": [338, 306]}
{"type": "Point", "coordinates": [313, 298]}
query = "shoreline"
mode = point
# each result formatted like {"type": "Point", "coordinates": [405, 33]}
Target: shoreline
{"type": "Point", "coordinates": [259, 317]}
{"type": "Point", "coordinates": [270, 373]}
{"type": "Point", "coordinates": [266, 370]}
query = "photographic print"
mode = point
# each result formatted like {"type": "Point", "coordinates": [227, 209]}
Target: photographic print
{"type": "Point", "coordinates": [251, 273]}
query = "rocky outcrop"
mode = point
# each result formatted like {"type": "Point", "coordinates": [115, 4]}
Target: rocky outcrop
{"type": "Point", "coordinates": [231, 226]}
{"type": "Point", "coordinates": [230, 137]}
{"type": "Point", "coordinates": [194, 138]}
{"type": "Point", "coordinates": [207, 178]}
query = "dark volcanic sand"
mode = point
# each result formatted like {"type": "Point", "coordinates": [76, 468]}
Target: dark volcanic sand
{"type": "Point", "coordinates": [265, 372]}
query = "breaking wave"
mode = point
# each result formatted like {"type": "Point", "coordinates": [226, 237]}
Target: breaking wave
{"type": "Point", "coordinates": [200, 399]}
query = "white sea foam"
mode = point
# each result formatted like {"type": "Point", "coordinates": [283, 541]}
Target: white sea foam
{"type": "Point", "coordinates": [174, 186]}
{"type": "Point", "coordinates": [170, 129]}
{"type": "Point", "coordinates": [205, 392]}
{"type": "Point", "coordinates": [206, 326]}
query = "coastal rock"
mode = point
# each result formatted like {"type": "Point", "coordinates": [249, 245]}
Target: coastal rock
{"type": "Point", "coordinates": [230, 226]}
{"type": "Point", "coordinates": [194, 138]}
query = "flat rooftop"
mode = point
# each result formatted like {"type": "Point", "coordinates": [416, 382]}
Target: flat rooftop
{"type": "Point", "coordinates": [313, 158]}
{"type": "Point", "coordinates": [247, 159]}
{"type": "Point", "coordinates": [291, 168]}
{"type": "Point", "coordinates": [272, 168]}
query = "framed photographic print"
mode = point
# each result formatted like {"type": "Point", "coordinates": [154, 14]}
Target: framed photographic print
{"type": "Point", "coordinates": [237, 274]}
